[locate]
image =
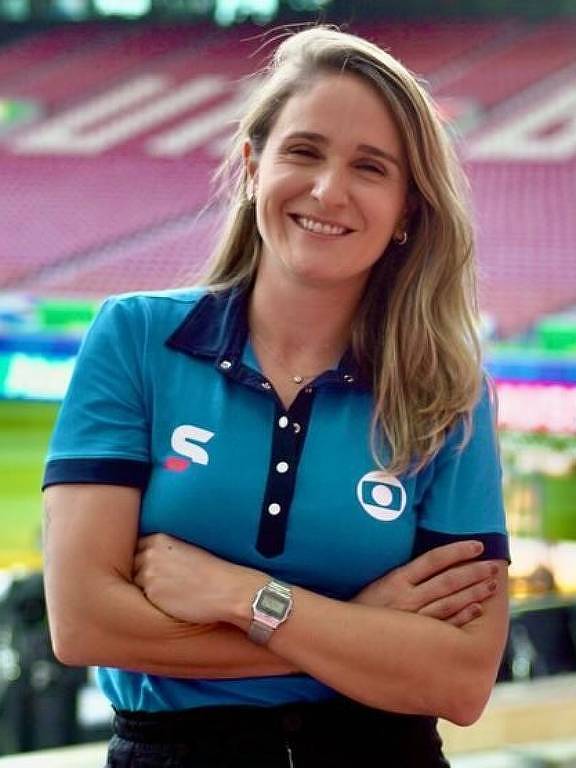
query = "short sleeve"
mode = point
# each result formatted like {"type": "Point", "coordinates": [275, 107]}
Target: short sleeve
{"type": "Point", "coordinates": [462, 498]}
{"type": "Point", "coordinates": [102, 431]}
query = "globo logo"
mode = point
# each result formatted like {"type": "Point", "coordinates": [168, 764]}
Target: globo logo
{"type": "Point", "coordinates": [381, 495]}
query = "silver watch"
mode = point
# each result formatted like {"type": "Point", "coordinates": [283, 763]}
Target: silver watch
{"type": "Point", "coordinates": [271, 607]}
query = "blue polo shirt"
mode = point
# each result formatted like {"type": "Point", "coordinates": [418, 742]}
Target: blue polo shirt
{"type": "Point", "coordinates": [167, 396]}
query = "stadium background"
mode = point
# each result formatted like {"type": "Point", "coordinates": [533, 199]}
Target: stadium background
{"type": "Point", "coordinates": [111, 125]}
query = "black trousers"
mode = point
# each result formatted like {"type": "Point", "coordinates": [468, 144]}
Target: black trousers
{"type": "Point", "coordinates": [332, 734]}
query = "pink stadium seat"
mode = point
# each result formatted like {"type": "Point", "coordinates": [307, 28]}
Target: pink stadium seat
{"type": "Point", "coordinates": [526, 235]}
{"type": "Point", "coordinates": [168, 257]}
{"type": "Point", "coordinates": [427, 48]}
{"type": "Point", "coordinates": [19, 59]}
{"type": "Point", "coordinates": [60, 208]}
{"type": "Point", "coordinates": [106, 60]}
{"type": "Point", "coordinates": [510, 69]}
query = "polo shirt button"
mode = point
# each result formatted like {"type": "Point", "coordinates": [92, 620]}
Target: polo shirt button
{"type": "Point", "coordinates": [274, 509]}
{"type": "Point", "coordinates": [282, 467]}
{"type": "Point", "coordinates": [308, 390]}
{"type": "Point", "coordinates": [265, 385]}
{"type": "Point", "coordinates": [283, 422]}
{"type": "Point", "coordinates": [225, 365]}
{"type": "Point", "coordinates": [349, 379]}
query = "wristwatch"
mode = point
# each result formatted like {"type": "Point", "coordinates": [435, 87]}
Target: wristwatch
{"type": "Point", "coordinates": [270, 608]}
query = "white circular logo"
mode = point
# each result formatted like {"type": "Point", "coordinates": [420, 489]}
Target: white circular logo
{"type": "Point", "coordinates": [381, 495]}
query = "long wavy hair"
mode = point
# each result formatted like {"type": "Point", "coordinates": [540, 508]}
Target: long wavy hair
{"type": "Point", "coordinates": [416, 329]}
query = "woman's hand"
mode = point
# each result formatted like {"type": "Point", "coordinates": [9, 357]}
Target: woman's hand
{"type": "Point", "coordinates": [191, 584]}
{"type": "Point", "coordinates": [441, 583]}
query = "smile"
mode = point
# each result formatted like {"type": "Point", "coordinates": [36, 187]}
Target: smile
{"type": "Point", "coordinates": [319, 227]}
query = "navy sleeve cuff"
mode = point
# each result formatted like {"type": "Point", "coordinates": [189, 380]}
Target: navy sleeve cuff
{"type": "Point", "coordinates": [127, 472]}
{"type": "Point", "coordinates": [495, 544]}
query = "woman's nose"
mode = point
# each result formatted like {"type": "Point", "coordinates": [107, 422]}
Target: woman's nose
{"type": "Point", "coordinates": [330, 187]}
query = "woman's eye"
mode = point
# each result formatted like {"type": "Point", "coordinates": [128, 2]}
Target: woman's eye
{"type": "Point", "coordinates": [371, 168]}
{"type": "Point", "coordinates": [303, 151]}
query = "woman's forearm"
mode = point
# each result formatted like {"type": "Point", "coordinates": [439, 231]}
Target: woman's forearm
{"type": "Point", "coordinates": [395, 660]}
{"type": "Point", "coordinates": [117, 627]}
{"type": "Point", "coordinates": [108, 608]}
{"type": "Point", "coordinates": [98, 616]}
{"type": "Point", "coordinates": [387, 658]}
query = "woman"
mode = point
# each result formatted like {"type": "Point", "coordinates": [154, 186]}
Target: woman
{"type": "Point", "coordinates": [241, 472]}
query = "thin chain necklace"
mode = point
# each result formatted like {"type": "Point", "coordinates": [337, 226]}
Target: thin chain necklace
{"type": "Point", "coordinates": [295, 378]}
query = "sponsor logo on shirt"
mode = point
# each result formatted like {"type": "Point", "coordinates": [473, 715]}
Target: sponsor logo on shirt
{"type": "Point", "coordinates": [185, 442]}
{"type": "Point", "coordinates": [381, 495]}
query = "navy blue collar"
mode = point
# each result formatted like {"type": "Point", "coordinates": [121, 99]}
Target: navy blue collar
{"type": "Point", "coordinates": [217, 328]}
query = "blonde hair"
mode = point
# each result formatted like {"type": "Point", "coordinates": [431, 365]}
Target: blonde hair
{"type": "Point", "coordinates": [416, 326]}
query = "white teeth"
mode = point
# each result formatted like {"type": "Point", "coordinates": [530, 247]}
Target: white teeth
{"type": "Point", "coordinates": [322, 229]}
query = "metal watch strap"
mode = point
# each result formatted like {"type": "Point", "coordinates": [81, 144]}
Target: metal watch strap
{"type": "Point", "coordinates": [259, 631]}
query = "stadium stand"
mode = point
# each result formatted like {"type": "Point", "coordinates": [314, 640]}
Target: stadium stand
{"type": "Point", "coordinates": [19, 59]}
{"type": "Point", "coordinates": [139, 265]}
{"type": "Point", "coordinates": [526, 231]}
{"type": "Point", "coordinates": [100, 61]}
{"type": "Point", "coordinates": [104, 186]}
{"type": "Point", "coordinates": [511, 68]}
{"type": "Point", "coordinates": [60, 210]}
{"type": "Point", "coordinates": [430, 48]}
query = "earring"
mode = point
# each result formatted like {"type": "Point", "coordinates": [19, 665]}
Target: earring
{"type": "Point", "coordinates": [250, 191]}
{"type": "Point", "coordinates": [403, 239]}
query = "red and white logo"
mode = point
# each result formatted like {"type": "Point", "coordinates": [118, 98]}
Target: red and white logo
{"type": "Point", "coordinates": [185, 439]}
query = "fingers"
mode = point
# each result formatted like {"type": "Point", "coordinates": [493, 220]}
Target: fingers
{"type": "Point", "coordinates": [155, 540]}
{"type": "Point", "coordinates": [461, 606]}
{"type": "Point", "coordinates": [144, 547]}
{"type": "Point", "coordinates": [466, 615]}
{"type": "Point", "coordinates": [137, 572]}
{"type": "Point", "coordinates": [440, 559]}
{"type": "Point", "coordinates": [455, 582]}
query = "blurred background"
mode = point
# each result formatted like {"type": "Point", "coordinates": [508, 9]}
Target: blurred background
{"type": "Point", "coordinates": [113, 117]}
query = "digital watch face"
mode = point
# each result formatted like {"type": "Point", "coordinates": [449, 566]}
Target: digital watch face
{"type": "Point", "coordinates": [272, 605]}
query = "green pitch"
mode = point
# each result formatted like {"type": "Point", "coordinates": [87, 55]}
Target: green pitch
{"type": "Point", "coordinates": [25, 429]}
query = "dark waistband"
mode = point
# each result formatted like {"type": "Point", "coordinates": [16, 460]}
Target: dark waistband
{"type": "Point", "coordinates": [240, 722]}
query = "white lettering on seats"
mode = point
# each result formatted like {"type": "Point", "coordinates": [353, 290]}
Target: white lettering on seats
{"type": "Point", "coordinates": [199, 129]}
{"type": "Point", "coordinates": [547, 132]}
{"type": "Point", "coordinates": [117, 116]}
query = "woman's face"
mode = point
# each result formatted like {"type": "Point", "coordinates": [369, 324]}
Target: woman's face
{"type": "Point", "coordinates": [330, 184]}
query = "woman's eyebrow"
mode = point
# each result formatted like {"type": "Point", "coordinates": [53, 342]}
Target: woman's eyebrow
{"type": "Point", "coordinates": [381, 153]}
{"type": "Point", "coordinates": [319, 138]}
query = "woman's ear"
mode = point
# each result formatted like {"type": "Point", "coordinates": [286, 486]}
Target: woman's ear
{"type": "Point", "coordinates": [406, 219]}
{"type": "Point", "coordinates": [249, 159]}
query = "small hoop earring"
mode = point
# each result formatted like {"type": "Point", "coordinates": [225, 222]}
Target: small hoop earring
{"type": "Point", "coordinates": [403, 239]}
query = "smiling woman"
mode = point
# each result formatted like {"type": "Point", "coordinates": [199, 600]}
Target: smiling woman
{"type": "Point", "coordinates": [330, 186]}
{"type": "Point", "coordinates": [273, 505]}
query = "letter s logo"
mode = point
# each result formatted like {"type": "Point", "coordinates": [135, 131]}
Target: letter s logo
{"type": "Point", "coordinates": [185, 439]}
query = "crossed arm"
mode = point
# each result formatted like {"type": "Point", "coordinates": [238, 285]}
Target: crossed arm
{"type": "Point", "coordinates": [177, 610]}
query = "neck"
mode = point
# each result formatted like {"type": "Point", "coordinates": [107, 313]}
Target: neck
{"type": "Point", "coordinates": [305, 325]}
